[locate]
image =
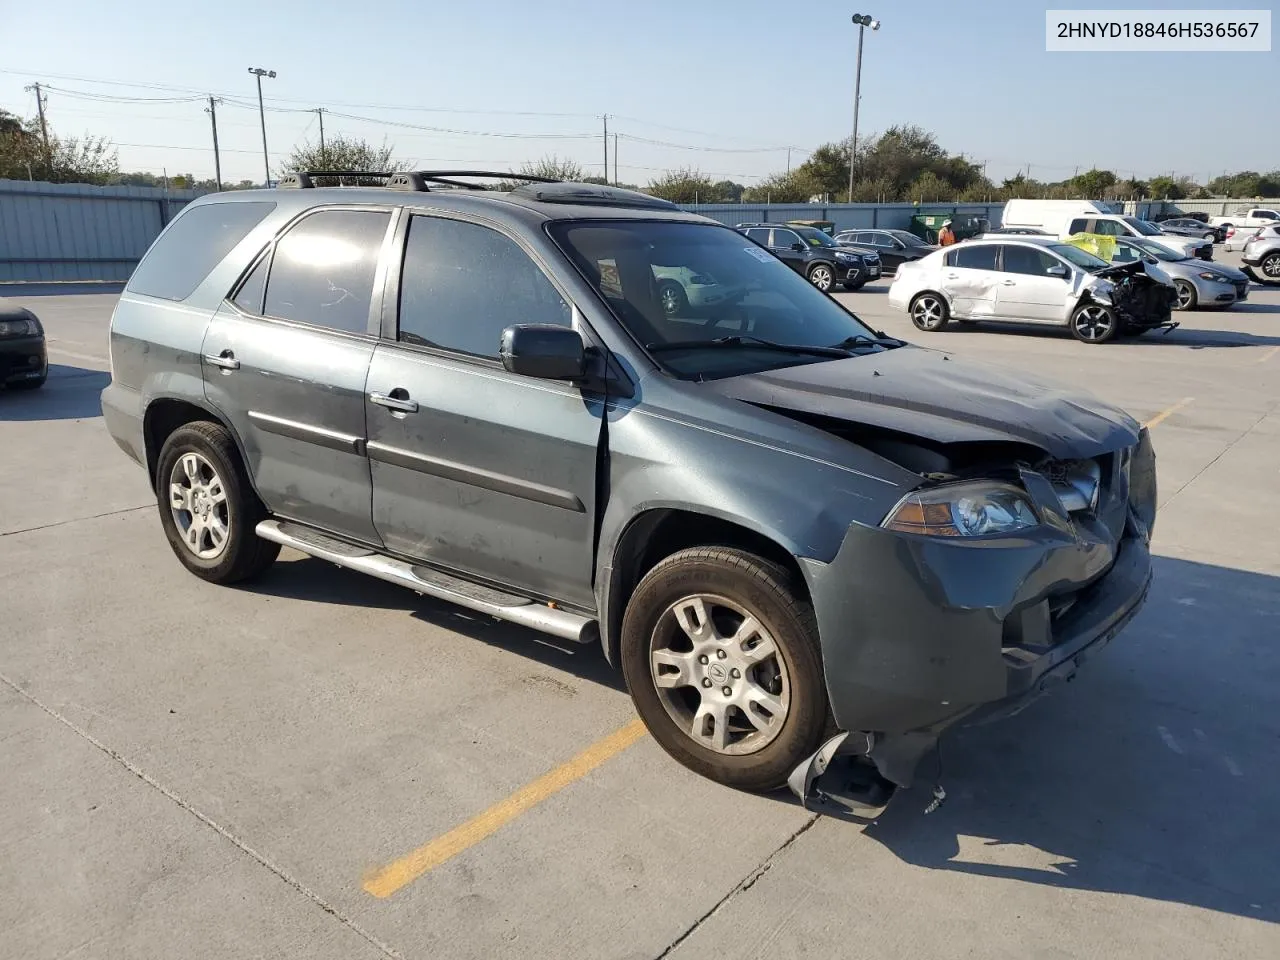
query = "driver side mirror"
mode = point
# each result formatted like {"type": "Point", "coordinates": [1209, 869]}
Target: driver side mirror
{"type": "Point", "coordinates": [543, 350]}
{"type": "Point", "coordinates": [1057, 270]}
{"type": "Point", "coordinates": [797, 247]}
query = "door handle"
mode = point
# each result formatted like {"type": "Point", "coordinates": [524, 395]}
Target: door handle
{"type": "Point", "coordinates": [402, 404]}
{"type": "Point", "coordinates": [953, 276]}
{"type": "Point", "coordinates": [1008, 283]}
{"type": "Point", "coordinates": [226, 360]}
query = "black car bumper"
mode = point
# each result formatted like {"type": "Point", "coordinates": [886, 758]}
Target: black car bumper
{"type": "Point", "coordinates": [921, 633]}
{"type": "Point", "coordinates": [23, 359]}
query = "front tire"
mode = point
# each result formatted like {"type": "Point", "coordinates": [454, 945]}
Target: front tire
{"type": "Point", "coordinates": [674, 301]}
{"type": "Point", "coordinates": [929, 312]}
{"type": "Point", "coordinates": [1186, 295]}
{"type": "Point", "coordinates": [856, 285]}
{"type": "Point", "coordinates": [1094, 323]}
{"type": "Point", "coordinates": [720, 654]}
{"type": "Point", "coordinates": [207, 507]}
{"type": "Point", "coordinates": [822, 277]}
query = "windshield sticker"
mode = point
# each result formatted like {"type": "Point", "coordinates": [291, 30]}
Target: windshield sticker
{"type": "Point", "coordinates": [764, 256]}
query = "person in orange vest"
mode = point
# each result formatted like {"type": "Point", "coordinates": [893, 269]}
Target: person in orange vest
{"type": "Point", "coordinates": [946, 236]}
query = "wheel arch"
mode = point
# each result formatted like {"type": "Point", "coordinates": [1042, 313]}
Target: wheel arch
{"type": "Point", "coordinates": [657, 533]}
{"type": "Point", "coordinates": [164, 415]}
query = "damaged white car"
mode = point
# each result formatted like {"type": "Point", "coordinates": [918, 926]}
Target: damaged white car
{"type": "Point", "coordinates": [1037, 280]}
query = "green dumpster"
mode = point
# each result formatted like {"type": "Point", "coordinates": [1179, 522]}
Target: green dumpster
{"type": "Point", "coordinates": [965, 225]}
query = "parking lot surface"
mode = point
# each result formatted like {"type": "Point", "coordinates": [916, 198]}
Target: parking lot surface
{"type": "Point", "coordinates": [323, 765]}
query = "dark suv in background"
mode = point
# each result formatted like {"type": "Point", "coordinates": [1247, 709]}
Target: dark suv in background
{"type": "Point", "coordinates": [791, 533]}
{"type": "Point", "coordinates": [895, 247]}
{"type": "Point", "coordinates": [815, 255]}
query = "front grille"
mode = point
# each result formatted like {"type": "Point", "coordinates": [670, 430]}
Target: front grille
{"type": "Point", "coordinates": [1242, 288]}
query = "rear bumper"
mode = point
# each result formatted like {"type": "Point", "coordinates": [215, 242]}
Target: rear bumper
{"type": "Point", "coordinates": [22, 359]}
{"type": "Point", "coordinates": [122, 414]}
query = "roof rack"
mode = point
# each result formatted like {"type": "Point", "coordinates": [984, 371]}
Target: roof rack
{"type": "Point", "coordinates": [416, 180]}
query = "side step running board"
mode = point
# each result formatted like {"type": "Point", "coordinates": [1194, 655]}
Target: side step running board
{"type": "Point", "coordinates": [433, 583]}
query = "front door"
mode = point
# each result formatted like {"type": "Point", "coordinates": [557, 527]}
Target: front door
{"type": "Point", "coordinates": [1027, 290]}
{"type": "Point", "coordinates": [286, 359]}
{"type": "Point", "coordinates": [970, 278]}
{"type": "Point", "coordinates": [476, 469]}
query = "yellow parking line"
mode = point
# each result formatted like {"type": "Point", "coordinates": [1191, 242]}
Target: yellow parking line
{"type": "Point", "coordinates": [385, 881]}
{"type": "Point", "coordinates": [1160, 417]}
{"type": "Point", "coordinates": [1269, 354]}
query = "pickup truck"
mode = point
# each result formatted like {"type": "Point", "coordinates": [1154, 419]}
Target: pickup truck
{"type": "Point", "coordinates": [1248, 217]}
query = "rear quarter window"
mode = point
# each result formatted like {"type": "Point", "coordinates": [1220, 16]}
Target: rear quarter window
{"type": "Point", "coordinates": [194, 244]}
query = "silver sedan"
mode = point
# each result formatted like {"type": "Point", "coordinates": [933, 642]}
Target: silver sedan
{"type": "Point", "coordinates": [1199, 283]}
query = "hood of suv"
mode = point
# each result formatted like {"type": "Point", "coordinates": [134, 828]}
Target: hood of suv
{"type": "Point", "coordinates": [933, 396]}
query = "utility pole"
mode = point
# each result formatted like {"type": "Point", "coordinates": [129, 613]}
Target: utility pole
{"type": "Point", "coordinates": [212, 110]}
{"type": "Point", "coordinates": [863, 21]}
{"type": "Point", "coordinates": [324, 160]}
{"type": "Point", "coordinates": [605, 118]}
{"type": "Point", "coordinates": [615, 162]}
{"type": "Point", "coordinates": [789, 162]}
{"type": "Point", "coordinates": [44, 128]}
{"type": "Point", "coordinates": [259, 72]}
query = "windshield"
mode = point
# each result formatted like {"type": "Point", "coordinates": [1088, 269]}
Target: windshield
{"type": "Point", "coordinates": [1153, 249]}
{"type": "Point", "coordinates": [671, 283]}
{"type": "Point", "coordinates": [1144, 228]}
{"type": "Point", "coordinates": [1080, 258]}
{"type": "Point", "coordinates": [815, 237]}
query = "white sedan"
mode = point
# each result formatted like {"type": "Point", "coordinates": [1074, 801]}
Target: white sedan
{"type": "Point", "coordinates": [1038, 280]}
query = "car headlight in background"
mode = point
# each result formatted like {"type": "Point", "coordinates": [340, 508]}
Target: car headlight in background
{"type": "Point", "coordinates": [1206, 275]}
{"type": "Point", "coordinates": [972, 509]}
{"type": "Point", "coordinates": [19, 328]}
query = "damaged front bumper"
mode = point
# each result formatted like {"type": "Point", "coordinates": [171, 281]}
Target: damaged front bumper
{"type": "Point", "coordinates": [922, 633]}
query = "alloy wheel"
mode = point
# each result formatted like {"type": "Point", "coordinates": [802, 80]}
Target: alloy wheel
{"type": "Point", "coordinates": [719, 674]}
{"type": "Point", "coordinates": [198, 502]}
{"type": "Point", "coordinates": [1186, 295]}
{"type": "Point", "coordinates": [927, 313]}
{"type": "Point", "coordinates": [1271, 266]}
{"type": "Point", "coordinates": [821, 277]}
{"type": "Point", "coordinates": [670, 301]}
{"type": "Point", "coordinates": [1093, 323]}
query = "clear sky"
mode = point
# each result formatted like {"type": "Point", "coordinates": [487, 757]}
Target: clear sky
{"type": "Point", "coordinates": [736, 81]}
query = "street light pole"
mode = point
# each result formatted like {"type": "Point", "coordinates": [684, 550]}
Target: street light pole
{"type": "Point", "coordinates": [259, 72]}
{"type": "Point", "coordinates": [863, 21]}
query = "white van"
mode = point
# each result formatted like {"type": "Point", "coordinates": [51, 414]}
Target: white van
{"type": "Point", "coordinates": [1067, 217]}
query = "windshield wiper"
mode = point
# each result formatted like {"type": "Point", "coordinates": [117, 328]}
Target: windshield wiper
{"type": "Point", "coordinates": [746, 341]}
{"type": "Point", "coordinates": [862, 340]}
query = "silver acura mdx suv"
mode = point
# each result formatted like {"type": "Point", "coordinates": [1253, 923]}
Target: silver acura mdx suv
{"type": "Point", "coordinates": [797, 537]}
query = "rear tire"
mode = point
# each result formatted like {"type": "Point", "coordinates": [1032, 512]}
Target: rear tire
{"type": "Point", "coordinates": [208, 508]}
{"type": "Point", "coordinates": [686, 640]}
{"type": "Point", "coordinates": [1269, 267]}
{"type": "Point", "coordinates": [929, 312]}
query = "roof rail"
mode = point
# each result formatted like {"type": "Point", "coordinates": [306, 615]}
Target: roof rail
{"type": "Point", "coordinates": [416, 180]}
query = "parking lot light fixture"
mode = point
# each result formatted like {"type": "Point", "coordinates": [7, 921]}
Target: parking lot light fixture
{"type": "Point", "coordinates": [863, 20]}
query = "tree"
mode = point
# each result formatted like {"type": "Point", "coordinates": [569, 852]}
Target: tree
{"type": "Point", "coordinates": [1246, 183]}
{"type": "Point", "coordinates": [726, 191]}
{"type": "Point", "coordinates": [1092, 183]}
{"type": "Point", "coordinates": [791, 187]}
{"type": "Point", "coordinates": [343, 153]}
{"type": "Point", "coordinates": [554, 168]}
{"type": "Point", "coordinates": [685, 185]}
{"type": "Point", "coordinates": [23, 155]}
{"type": "Point", "coordinates": [929, 187]}
{"type": "Point", "coordinates": [1165, 188]}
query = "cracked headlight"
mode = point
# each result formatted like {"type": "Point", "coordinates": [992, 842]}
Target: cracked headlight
{"type": "Point", "coordinates": [971, 509]}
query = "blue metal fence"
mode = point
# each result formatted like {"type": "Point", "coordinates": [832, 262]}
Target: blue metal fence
{"type": "Point", "coordinates": [846, 216]}
{"type": "Point", "coordinates": [70, 231]}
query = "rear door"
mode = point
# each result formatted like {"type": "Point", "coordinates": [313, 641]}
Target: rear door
{"type": "Point", "coordinates": [970, 278]}
{"type": "Point", "coordinates": [783, 244]}
{"type": "Point", "coordinates": [1027, 290]}
{"type": "Point", "coordinates": [285, 360]}
{"type": "Point", "coordinates": [475, 469]}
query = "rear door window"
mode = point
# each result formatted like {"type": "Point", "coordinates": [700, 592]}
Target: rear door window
{"type": "Point", "coordinates": [784, 239]}
{"type": "Point", "coordinates": [979, 257]}
{"type": "Point", "coordinates": [760, 235]}
{"type": "Point", "coordinates": [323, 268]}
{"type": "Point", "coordinates": [195, 243]}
